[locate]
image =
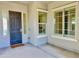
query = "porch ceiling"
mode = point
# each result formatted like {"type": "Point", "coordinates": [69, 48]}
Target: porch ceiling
{"type": "Point", "coordinates": [29, 2]}
{"type": "Point", "coordinates": [44, 2]}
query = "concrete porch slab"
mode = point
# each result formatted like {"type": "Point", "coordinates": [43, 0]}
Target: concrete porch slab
{"type": "Point", "coordinates": [27, 51]}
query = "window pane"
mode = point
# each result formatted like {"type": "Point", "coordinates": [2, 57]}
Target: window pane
{"type": "Point", "coordinates": [42, 17]}
{"type": "Point", "coordinates": [69, 22]}
{"type": "Point", "coordinates": [42, 28]}
{"type": "Point", "coordinates": [72, 20]}
{"type": "Point", "coordinates": [58, 22]}
{"type": "Point", "coordinates": [66, 22]}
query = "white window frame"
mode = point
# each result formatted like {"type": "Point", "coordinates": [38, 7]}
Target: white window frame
{"type": "Point", "coordinates": [62, 9]}
{"type": "Point", "coordinates": [43, 35]}
{"type": "Point", "coordinates": [59, 22]}
{"type": "Point", "coordinates": [68, 21]}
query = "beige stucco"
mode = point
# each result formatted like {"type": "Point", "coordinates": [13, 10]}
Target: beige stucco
{"type": "Point", "coordinates": [66, 43]}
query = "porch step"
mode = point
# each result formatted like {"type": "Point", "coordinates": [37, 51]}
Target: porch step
{"type": "Point", "coordinates": [16, 45]}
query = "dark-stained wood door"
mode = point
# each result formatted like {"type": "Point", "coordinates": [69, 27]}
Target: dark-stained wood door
{"type": "Point", "coordinates": [15, 27]}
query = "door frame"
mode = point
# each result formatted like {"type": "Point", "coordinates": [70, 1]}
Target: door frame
{"type": "Point", "coordinates": [21, 24]}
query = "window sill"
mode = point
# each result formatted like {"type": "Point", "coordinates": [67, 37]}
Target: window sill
{"type": "Point", "coordinates": [64, 38]}
{"type": "Point", "coordinates": [40, 36]}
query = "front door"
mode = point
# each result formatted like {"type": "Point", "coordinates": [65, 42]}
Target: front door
{"type": "Point", "coordinates": [15, 27]}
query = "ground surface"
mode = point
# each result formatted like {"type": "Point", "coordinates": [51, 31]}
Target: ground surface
{"type": "Point", "coordinates": [29, 51]}
{"type": "Point", "coordinates": [59, 52]}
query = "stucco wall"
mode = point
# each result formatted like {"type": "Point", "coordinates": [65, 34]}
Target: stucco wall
{"type": "Point", "coordinates": [4, 8]}
{"type": "Point", "coordinates": [33, 24]}
{"type": "Point", "coordinates": [66, 43]}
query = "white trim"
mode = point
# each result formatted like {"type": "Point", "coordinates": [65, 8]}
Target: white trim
{"type": "Point", "coordinates": [63, 19]}
{"type": "Point", "coordinates": [41, 10]}
{"type": "Point", "coordinates": [41, 36]}
{"type": "Point", "coordinates": [76, 20]}
{"type": "Point", "coordinates": [22, 28]}
{"type": "Point", "coordinates": [64, 38]}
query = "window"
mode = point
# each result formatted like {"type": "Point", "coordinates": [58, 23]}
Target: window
{"type": "Point", "coordinates": [65, 22]}
{"type": "Point", "coordinates": [42, 19]}
{"type": "Point", "coordinates": [69, 22]}
{"type": "Point", "coordinates": [58, 22]}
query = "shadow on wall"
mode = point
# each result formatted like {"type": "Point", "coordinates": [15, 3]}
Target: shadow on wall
{"type": "Point", "coordinates": [4, 41]}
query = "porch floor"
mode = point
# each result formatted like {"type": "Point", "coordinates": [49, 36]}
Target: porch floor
{"type": "Point", "coordinates": [59, 52]}
{"type": "Point", "coordinates": [29, 51]}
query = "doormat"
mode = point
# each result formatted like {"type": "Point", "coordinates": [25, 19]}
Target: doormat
{"type": "Point", "coordinates": [17, 45]}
